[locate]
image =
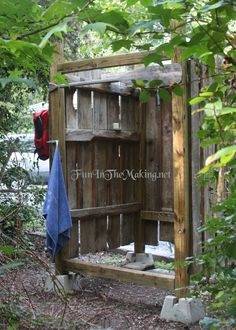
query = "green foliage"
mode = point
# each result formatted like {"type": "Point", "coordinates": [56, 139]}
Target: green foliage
{"type": "Point", "coordinates": [202, 30]}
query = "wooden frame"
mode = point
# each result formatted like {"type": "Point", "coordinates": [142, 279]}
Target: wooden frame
{"type": "Point", "coordinates": [180, 216]}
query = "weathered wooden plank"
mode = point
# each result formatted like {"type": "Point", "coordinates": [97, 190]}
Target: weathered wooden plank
{"type": "Point", "coordinates": [71, 112]}
{"type": "Point", "coordinates": [100, 148]}
{"type": "Point", "coordinates": [167, 229]}
{"type": "Point", "coordinates": [102, 62]}
{"type": "Point", "coordinates": [114, 224]}
{"type": "Point", "coordinates": [88, 229]}
{"type": "Point", "coordinates": [85, 162]}
{"type": "Point", "coordinates": [153, 158]}
{"type": "Point", "coordinates": [113, 163]}
{"type": "Point", "coordinates": [165, 281]}
{"type": "Point", "coordinates": [71, 152]}
{"type": "Point", "coordinates": [180, 124]}
{"type": "Point", "coordinates": [169, 74]}
{"type": "Point", "coordinates": [128, 193]}
{"type": "Point", "coordinates": [89, 135]}
{"type": "Point", "coordinates": [119, 88]}
{"type": "Point", "coordinates": [105, 210]}
{"type": "Point", "coordinates": [158, 216]}
{"type": "Point", "coordinates": [129, 155]}
{"type": "Point", "coordinates": [100, 111]}
{"type": "Point", "coordinates": [85, 111]}
{"type": "Point", "coordinates": [196, 161]}
{"type": "Point", "coordinates": [139, 244]}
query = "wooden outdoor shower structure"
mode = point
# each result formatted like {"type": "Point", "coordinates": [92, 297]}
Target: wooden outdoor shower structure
{"type": "Point", "coordinates": [101, 125]}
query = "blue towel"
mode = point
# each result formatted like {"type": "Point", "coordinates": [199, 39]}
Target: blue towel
{"type": "Point", "coordinates": [56, 209]}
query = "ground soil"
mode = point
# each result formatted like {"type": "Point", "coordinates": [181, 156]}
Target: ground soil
{"type": "Point", "coordinates": [97, 303]}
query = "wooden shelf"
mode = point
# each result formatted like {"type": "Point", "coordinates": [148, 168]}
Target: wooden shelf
{"type": "Point", "coordinates": [105, 210]}
{"type": "Point", "coordinates": [89, 135]}
{"type": "Point", "coordinates": [163, 216]}
{"type": "Point", "coordinates": [166, 281]}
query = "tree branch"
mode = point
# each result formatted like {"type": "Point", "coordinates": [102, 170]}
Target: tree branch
{"type": "Point", "coordinates": [42, 29]}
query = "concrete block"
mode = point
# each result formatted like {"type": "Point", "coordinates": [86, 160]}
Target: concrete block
{"type": "Point", "coordinates": [139, 261]}
{"type": "Point", "coordinates": [66, 284]}
{"type": "Point", "coordinates": [186, 310]}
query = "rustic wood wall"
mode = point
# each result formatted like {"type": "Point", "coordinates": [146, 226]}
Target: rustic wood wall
{"type": "Point", "coordinates": [159, 193]}
{"type": "Point", "coordinates": [95, 115]}
{"type": "Point", "coordinates": [88, 142]}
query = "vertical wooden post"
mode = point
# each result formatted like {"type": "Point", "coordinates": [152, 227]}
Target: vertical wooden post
{"type": "Point", "coordinates": [57, 115]}
{"type": "Point", "coordinates": [139, 244]}
{"type": "Point", "coordinates": [180, 122]}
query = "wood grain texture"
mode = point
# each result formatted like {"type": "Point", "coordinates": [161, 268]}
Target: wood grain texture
{"type": "Point", "coordinates": [102, 62]}
{"type": "Point", "coordinates": [157, 216]}
{"type": "Point", "coordinates": [88, 229]}
{"type": "Point", "coordinates": [180, 124]}
{"type": "Point", "coordinates": [121, 274]}
{"type": "Point", "coordinates": [196, 162]}
{"type": "Point", "coordinates": [71, 112]}
{"type": "Point", "coordinates": [167, 229]}
{"type": "Point", "coordinates": [89, 135]}
{"type": "Point", "coordinates": [105, 210]}
{"type": "Point", "coordinates": [100, 154]}
{"type": "Point", "coordinates": [169, 74]}
{"type": "Point", "coordinates": [115, 184]}
{"type": "Point", "coordinates": [153, 158]}
{"type": "Point", "coordinates": [85, 111]}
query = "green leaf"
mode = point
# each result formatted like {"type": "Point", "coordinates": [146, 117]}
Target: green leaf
{"type": "Point", "coordinates": [60, 79]}
{"type": "Point", "coordinates": [58, 8]}
{"type": "Point", "coordinates": [197, 100]}
{"type": "Point", "coordinates": [213, 108]}
{"type": "Point", "coordinates": [153, 58]}
{"type": "Point", "coordinates": [28, 82]}
{"type": "Point", "coordinates": [206, 94]}
{"type": "Point", "coordinates": [213, 87]}
{"type": "Point", "coordinates": [115, 18]}
{"type": "Point", "coordinates": [224, 155]}
{"type": "Point", "coordinates": [99, 27]}
{"type": "Point", "coordinates": [227, 110]}
{"type": "Point", "coordinates": [139, 83]}
{"type": "Point", "coordinates": [155, 83]}
{"type": "Point", "coordinates": [178, 90]}
{"type": "Point", "coordinates": [7, 249]}
{"type": "Point", "coordinates": [131, 2]}
{"type": "Point", "coordinates": [147, 25]}
{"type": "Point", "coordinates": [118, 44]}
{"type": "Point", "coordinates": [144, 96]}
{"type": "Point", "coordinates": [146, 3]}
{"type": "Point", "coordinates": [62, 27]}
{"type": "Point", "coordinates": [164, 95]}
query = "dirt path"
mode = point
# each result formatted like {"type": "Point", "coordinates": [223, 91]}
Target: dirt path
{"type": "Point", "coordinates": [98, 303]}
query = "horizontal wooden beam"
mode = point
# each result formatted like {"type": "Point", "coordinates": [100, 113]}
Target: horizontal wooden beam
{"type": "Point", "coordinates": [168, 74]}
{"type": "Point", "coordinates": [165, 281]}
{"type": "Point", "coordinates": [89, 135]}
{"type": "Point", "coordinates": [106, 210]}
{"type": "Point", "coordinates": [158, 216]}
{"type": "Point", "coordinates": [120, 88]}
{"type": "Point", "coordinates": [112, 88]}
{"type": "Point", "coordinates": [102, 62]}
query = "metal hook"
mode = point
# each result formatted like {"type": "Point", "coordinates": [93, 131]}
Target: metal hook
{"type": "Point", "coordinates": [54, 141]}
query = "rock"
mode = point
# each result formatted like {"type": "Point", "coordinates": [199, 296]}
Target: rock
{"type": "Point", "coordinates": [139, 261]}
